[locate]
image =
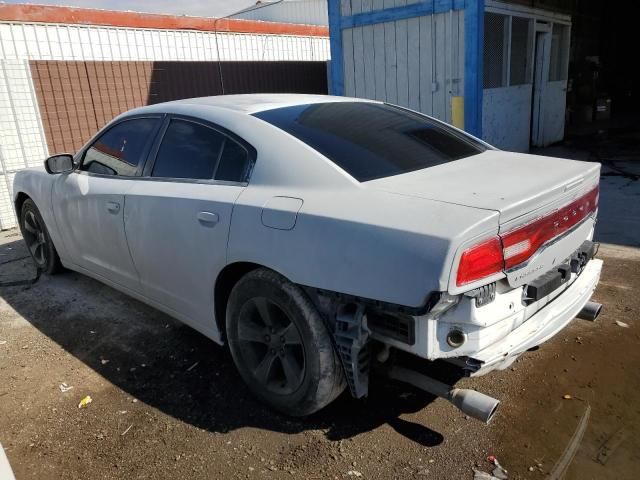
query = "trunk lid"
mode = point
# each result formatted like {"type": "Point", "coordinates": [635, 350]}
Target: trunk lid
{"type": "Point", "coordinates": [522, 188]}
{"type": "Point", "coordinates": [513, 184]}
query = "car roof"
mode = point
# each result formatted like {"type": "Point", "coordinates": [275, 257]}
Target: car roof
{"type": "Point", "coordinates": [251, 103]}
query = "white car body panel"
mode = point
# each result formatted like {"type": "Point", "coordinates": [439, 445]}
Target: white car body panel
{"type": "Point", "coordinates": [178, 250]}
{"type": "Point", "coordinates": [395, 240]}
{"type": "Point", "coordinates": [338, 236]}
{"type": "Point", "coordinates": [523, 180]}
{"type": "Point", "coordinates": [97, 205]}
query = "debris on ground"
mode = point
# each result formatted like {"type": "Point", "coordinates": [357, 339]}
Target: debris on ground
{"type": "Point", "coordinates": [64, 388]}
{"type": "Point", "coordinates": [5, 469]}
{"type": "Point", "coordinates": [622, 324]}
{"type": "Point", "coordinates": [125, 432]}
{"type": "Point", "coordinates": [193, 366]}
{"type": "Point", "coordinates": [480, 475]}
{"type": "Point", "coordinates": [85, 401]}
{"type": "Point", "coordinates": [354, 473]}
{"type": "Point", "coordinates": [3, 342]}
{"type": "Point", "coordinates": [499, 471]}
{"type": "Point", "coordinates": [567, 397]}
{"type": "Point", "coordinates": [104, 361]}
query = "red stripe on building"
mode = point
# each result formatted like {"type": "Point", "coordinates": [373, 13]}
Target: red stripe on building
{"type": "Point", "coordinates": [88, 16]}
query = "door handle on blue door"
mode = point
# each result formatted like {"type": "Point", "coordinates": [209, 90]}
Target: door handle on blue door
{"type": "Point", "coordinates": [113, 207]}
{"type": "Point", "coordinates": [208, 219]}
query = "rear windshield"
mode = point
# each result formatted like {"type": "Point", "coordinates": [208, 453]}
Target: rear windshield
{"type": "Point", "coordinates": [370, 140]}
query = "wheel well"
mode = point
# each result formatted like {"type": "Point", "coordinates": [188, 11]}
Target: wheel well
{"type": "Point", "coordinates": [20, 199]}
{"type": "Point", "coordinates": [228, 277]}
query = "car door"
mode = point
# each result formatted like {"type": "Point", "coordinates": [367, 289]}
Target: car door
{"type": "Point", "coordinates": [177, 220]}
{"type": "Point", "coordinates": [89, 202]}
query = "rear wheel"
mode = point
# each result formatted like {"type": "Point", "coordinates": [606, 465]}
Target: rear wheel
{"type": "Point", "coordinates": [280, 345]}
{"type": "Point", "coordinates": [37, 238]}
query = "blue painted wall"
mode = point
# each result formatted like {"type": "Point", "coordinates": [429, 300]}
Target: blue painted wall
{"type": "Point", "coordinates": [336, 70]}
{"type": "Point", "coordinates": [473, 42]}
{"type": "Point", "coordinates": [473, 48]}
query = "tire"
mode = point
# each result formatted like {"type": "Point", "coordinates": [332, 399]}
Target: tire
{"type": "Point", "coordinates": [280, 345]}
{"type": "Point", "coordinates": [36, 236]}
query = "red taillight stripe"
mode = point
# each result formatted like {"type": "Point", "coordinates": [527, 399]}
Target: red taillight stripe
{"type": "Point", "coordinates": [521, 243]}
{"type": "Point", "coordinates": [480, 261]}
{"type": "Point", "coordinates": [518, 245]}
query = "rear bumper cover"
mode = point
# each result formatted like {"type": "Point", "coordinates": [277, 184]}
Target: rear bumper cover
{"type": "Point", "coordinates": [543, 325]}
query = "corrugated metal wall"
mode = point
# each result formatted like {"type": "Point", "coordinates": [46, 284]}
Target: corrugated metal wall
{"type": "Point", "coordinates": [22, 136]}
{"type": "Point", "coordinates": [416, 62]}
{"type": "Point", "coordinates": [309, 12]}
{"type": "Point", "coordinates": [76, 98]}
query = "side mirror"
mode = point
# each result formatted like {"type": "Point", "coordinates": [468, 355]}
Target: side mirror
{"type": "Point", "coordinates": [59, 163]}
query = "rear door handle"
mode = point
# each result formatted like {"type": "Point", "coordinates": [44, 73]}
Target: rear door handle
{"type": "Point", "coordinates": [208, 219]}
{"type": "Point", "coordinates": [113, 207]}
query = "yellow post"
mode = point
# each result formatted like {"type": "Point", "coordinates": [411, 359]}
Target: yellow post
{"type": "Point", "coordinates": [457, 112]}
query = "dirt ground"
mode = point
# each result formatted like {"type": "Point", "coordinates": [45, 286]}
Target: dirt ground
{"type": "Point", "coordinates": [167, 402]}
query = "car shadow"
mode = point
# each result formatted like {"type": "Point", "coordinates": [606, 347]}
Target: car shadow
{"type": "Point", "coordinates": [175, 369]}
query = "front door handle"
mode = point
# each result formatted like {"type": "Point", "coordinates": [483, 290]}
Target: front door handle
{"type": "Point", "coordinates": [113, 207]}
{"type": "Point", "coordinates": [208, 219]}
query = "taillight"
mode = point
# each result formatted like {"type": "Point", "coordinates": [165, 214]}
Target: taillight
{"type": "Point", "coordinates": [480, 261]}
{"type": "Point", "coordinates": [516, 246]}
{"type": "Point", "coordinates": [521, 243]}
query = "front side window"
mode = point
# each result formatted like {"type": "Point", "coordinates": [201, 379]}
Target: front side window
{"type": "Point", "coordinates": [371, 140]}
{"type": "Point", "coordinates": [120, 150]}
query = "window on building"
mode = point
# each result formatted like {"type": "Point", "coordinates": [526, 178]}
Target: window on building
{"type": "Point", "coordinates": [521, 51]}
{"type": "Point", "coordinates": [120, 150]}
{"type": "Point", "coordinates": [495, 50]}
{"type": "Point", "coordinates": [188, 150]}
{"type": "Point", "coordinates": [559, 52]}
{"type": "Point", "coordinates": [370, 140]}
{"type": "Point", "coordinates": [508, 58]}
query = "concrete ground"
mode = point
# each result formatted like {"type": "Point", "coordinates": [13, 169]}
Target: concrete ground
{"type": "Point", "coordinates": [167, 402]}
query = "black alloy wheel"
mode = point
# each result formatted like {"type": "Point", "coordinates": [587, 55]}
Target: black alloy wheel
{"type": "Point", "coordinates": [271, 346]}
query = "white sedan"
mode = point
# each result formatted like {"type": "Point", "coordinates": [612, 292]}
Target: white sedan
{"type": "Point", "coordinates": [316, 234]}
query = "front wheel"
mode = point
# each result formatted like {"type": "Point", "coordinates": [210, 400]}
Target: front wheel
{"type": "Point", "coordinates": [37, 238]}
{"type": "Point", "coordinates": [281, 346]}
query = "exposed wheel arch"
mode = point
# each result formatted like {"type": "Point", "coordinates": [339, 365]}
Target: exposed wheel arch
{"type": "Point", "coordinates": [36, 236]}
{"type": "Point", "coordinates": [19, 201]}
{"type": "Point", "coordinates": [228, 277]}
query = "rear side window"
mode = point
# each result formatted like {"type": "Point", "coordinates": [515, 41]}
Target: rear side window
{"type": "Point", "coordinates": [120, 150]}
{"type": "Point", "coordinates": [188, 150]}
{"type": "Point", "coordinates": [234, 162]}
{"type": "Point", "coordinates": [370, 140]}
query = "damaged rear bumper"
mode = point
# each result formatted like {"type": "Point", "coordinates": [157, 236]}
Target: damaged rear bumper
{"type": "Point", "coordinates": [497, 333]}
{"type": "Point", "coordinates": [540, 327]}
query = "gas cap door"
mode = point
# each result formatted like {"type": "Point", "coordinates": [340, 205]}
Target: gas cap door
{"type": "Point", "coordinates": [281, 213]}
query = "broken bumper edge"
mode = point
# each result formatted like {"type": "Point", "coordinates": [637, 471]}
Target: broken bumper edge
{"type": "Point", "coordinates": [539, 328]}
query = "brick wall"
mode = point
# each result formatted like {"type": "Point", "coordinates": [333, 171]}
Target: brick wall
{"type": "Point", "coordinates": [78, 98]}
